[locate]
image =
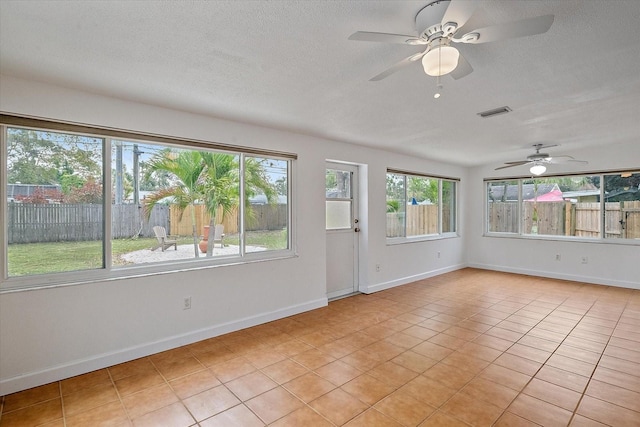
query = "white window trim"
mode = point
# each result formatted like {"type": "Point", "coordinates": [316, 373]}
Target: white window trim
{"type": "Point", "coordinates": [520, 235]}
{"type": "Point", "coordinates": [108, 272]}
{"type": "Point", "coordinates": [391, 241]}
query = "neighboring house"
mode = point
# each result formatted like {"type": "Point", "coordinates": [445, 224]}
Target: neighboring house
{"type": "Point", "coordinates": [582, 196]}
{"type": "Point", "coordinates": [16, 193]}
{"type": "Point", "coordinates": [261, 199]}
{"type": "Point", "coordinates": [546, 193]}
{"type": "Point", "coordinates": [624, 194]}
{"type": "Point", "coordinates": [593, 196]}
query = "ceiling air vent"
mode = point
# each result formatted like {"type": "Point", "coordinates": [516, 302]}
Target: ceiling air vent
{"type": "Point", "coordinates": [494, 112]}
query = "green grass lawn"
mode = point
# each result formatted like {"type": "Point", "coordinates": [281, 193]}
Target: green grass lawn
{"type": "Point", "coordinates": [276, 239]}
{"type": "Point", "coordinates": [55, 257]}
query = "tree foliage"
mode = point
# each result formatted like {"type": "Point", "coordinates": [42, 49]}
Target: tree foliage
{"type": "Point", "coordinates": [37, 157]}
{"type": "Point", "coordinates": [422, 189]}
{"type": "Point", "coordinates": [210, 178]}
{"type": "Point", "coordinates": [41, 195]}
{"type": "Point", "coordinates": [89, 192]}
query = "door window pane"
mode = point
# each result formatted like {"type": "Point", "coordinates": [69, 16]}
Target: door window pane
{"type": "Point", "coordinates": [339, 203]}
{"type": "Point", "coordinates": [338, 184]}
{"type": "Point", "coordinates": [338, 214]}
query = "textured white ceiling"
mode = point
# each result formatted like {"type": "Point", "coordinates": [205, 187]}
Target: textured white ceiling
{"type": "Point", "coordinates": [289, 65]}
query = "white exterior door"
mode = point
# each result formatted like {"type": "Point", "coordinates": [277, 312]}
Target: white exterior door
{"type": "Point", "coordinates": [342, 229]}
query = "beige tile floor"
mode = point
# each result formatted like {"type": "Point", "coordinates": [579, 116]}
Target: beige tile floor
{"type": "Point", "coordinates": [471, 347]}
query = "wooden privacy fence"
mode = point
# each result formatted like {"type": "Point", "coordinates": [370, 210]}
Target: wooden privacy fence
{"type": "Point", "coordinates": [622, 219]}
{"type": "Point", "coordinates": [420, 220]}
{"type": "Point", "coordinates": [31, 223]}
{"type": "Point", "coordinates": [260, 217]}
{"type": "Point", "coordinates": [503, 217]}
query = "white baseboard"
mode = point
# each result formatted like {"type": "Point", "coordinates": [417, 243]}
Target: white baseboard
{"type": "Point", "coordinates": [78, 367]}
{"type": "Point", "coordinates": [408, 279]}
{"type": "Point", "coordinates": [560, 276]}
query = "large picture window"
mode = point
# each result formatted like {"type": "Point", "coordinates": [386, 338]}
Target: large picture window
{"type": "Point", "coordinates": [164, 203]}
{"type": "Point", "coordinates": [420, 206]}
{"type": "Point", "coordinates": [594, 206]}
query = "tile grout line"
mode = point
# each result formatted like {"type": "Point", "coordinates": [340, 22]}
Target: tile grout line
{"type": "Point", "coordinates": [113, 382]}
{"type": "Point", "coordinates": [64, 416]}
{"type": "Point", "coordinates": [551, 355]}
{"type": "Point", "coordinates": [505, 410]}
{"type": "Point", "coordinates": [598, 363]}
{"type": "Point", "coordinates": [168, 383]}
{"type": "Point", "coordinates": [456, 350]}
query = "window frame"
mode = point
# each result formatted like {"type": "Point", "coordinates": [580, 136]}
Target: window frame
{"type": "Point", "coordinates": [108, 271]}
{"type": "Point", "coordinates": [520, 234]}
{"type": "Point", "coordinates": [439, 233]}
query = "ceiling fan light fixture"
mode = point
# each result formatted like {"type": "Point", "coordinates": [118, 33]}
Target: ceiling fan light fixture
{"type": "Point", "coordinates": [538, 169]}
{"type": "Point", "coordinates": [440, 60]}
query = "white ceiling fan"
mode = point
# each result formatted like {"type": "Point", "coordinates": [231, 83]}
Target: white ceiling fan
{"type": "Point", "coordinates": [444, 22]}
{"type": "Point", "coordinates": [538, 160]}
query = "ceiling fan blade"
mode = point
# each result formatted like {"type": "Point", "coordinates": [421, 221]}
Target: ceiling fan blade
{"type": "Point", "coordinates": [365, 36]}
{"type": "Point", "coordinates": [459, 11]}
{"type": "Point", "coordinates": [512, 164]}
{"type": "Point", "coordinates": [565, 159]}
{"type": "Point", "coordinates": [463, 68]}
{"type": "Point", "coordinates": [396, 67]}
{"type": "Point", "coordinates": [522, 28]}
{"type": "Point", "coordinates": [560, 159]}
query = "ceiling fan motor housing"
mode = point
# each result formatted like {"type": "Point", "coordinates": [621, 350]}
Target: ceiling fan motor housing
{"type": "Point", "coordinates": [539, 157]}
{"type": "Point", "coordinates": [431, 16]}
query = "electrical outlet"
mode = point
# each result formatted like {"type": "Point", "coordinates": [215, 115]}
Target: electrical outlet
{"type": "Point", "coordinates": [186, 303]}
{"type": "Point", "coordinates": [557, 257]}
{"type": "Point", "coordinates": [378, 268]}
{"type": "Point", "coordinates": [585, 260]}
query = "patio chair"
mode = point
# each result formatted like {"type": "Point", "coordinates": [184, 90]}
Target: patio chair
{"type": "Point", "coordinates": [218, 235]}
{"type": "Point", "coordinates": [163, 241]}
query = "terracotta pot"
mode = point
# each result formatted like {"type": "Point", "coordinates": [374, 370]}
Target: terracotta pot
{"type": "Point", "coordinates": [205, 239]}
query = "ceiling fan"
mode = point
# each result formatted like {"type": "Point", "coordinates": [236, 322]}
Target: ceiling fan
{"type": "Point", "coordinates": [538, 160]}
{"type": "Point", "coordinates": [442, 23]}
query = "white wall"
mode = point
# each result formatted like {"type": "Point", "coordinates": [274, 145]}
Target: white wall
{"type": "Point", "coordinates": [54, 333]}
{"type": "Point", "coordinates": [608, 263]}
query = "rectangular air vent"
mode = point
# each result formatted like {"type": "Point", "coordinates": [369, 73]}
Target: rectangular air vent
{"type": "Point", "coordinates": [494, 112]}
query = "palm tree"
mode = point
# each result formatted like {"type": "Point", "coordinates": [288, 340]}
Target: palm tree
{"type": "Point", "coordinates": [211, 178]}
{"type": "Point", "coordinates": [186, 167]}
{"type": "Point", "coordinates": [256, 180]}
{"type": "Point", "coordinates": [221, 188]}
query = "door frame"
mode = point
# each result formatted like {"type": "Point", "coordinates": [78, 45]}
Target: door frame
{"type": "Point", "coordinates": [355, 215]}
